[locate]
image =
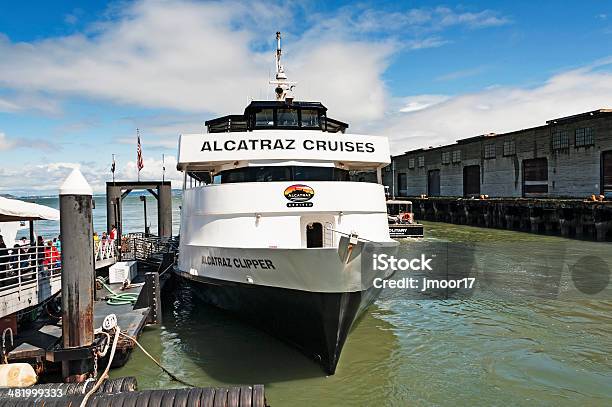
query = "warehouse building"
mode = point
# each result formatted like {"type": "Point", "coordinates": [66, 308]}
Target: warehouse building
{"type": "Point", "coordinates": [567, 157]}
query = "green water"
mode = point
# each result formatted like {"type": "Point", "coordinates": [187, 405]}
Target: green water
{"type": "Point", "coordinates": [474, 352]}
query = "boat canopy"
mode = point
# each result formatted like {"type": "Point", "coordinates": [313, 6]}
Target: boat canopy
{"type": "Point", "coordinates": [279, 114]}
{"type": "Point", "coordinates": [15, 210]}
{"type": "Point", "coordinates": [213, 152]}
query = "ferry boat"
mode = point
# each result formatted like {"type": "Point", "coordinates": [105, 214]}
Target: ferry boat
{"type": "Point", "coordinates": [272, 226]}
{"type": "Point", "coordinates": [401, 220]}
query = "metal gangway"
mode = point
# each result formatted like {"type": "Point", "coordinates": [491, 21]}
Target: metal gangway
{"type": "Point", "coordinates": [105, 253]}
{"type": "Point", "coordinates": [153, 250]}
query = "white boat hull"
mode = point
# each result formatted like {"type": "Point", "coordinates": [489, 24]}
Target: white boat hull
{"type": "Point", "coordinates": [309, 298]}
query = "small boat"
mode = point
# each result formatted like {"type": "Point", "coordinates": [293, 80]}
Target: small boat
{"type": "Point", "coordinates": [401, 220]}
{"type": "Point", "coordinates": [274, 229]}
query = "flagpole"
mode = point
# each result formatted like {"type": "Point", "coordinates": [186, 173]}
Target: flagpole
{"type": "Point", "coordinates": [163, 167]}
{"type": "Point", "coordinates": [137, 153]}
{"type": "Point", "coordinates": [113, 169]}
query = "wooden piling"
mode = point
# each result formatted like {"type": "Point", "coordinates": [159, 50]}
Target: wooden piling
{"type": "Point", "coordinates": [572, 218]}
{"type": "Point", "coordinates": [78, 271]}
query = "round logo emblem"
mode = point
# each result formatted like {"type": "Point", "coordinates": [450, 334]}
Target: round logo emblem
{"type": "Point", "coordinates": [299, 193]}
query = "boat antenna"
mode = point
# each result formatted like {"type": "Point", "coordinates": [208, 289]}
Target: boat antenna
{"type": "Point", "coordinates": [283, 88]}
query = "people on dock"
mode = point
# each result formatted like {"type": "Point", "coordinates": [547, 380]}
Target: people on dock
{"type": "Point", "coordinates": [96, 242]}
{"type": "Point", "coordinates": [57, 242]}
{"type": "Point", "coordinates": [4, 256]}
{"type": "Point", "coordinates": [51, 259]}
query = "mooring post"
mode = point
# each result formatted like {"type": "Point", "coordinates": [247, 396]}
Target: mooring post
{"type": "Point", "coordinates": [153, 294]}
{"type": "Point", "coordinates": [164, 210]}
{"type": "Point", "coordinates": [78, 271]}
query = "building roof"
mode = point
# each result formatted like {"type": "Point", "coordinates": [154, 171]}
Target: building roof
{"type": "Point", "coordinates": [580, 116]}
{"type": "Point", "coordinates": [561, 120]}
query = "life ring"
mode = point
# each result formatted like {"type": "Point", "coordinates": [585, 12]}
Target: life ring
{"type": "Point", "coordinates": [408, 217]}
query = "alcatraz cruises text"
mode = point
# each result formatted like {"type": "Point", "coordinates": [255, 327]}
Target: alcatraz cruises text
{"type": "Point", "coordinates": [288, 144]}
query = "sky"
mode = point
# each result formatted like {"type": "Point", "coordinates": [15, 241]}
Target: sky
{"type": "Point", "coordinates": [78, 78]}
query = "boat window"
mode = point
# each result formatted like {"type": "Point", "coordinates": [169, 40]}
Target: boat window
{"type": "Point", "coordinates": [310, 118]}
{"type": "Point", "coordinates": [268, 174]}
{"type": "Point", "coordinates": [256, 174]}
{"type": "Point", "coordinates": [200, 176]}
{"type": "Point", "coordinates": [287, 117]}
{"type": "Point", "coordinates": [264, 118]}
{"type": "Point", "coordinates": [286, 173]}
{"type": "Point", "coordinates": [320, 174]}
{"type": "Point", "coordinates": [396, 209]}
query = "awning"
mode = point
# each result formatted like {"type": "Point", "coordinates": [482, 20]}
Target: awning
{"type": "Point", "coordinates": [15, 210]}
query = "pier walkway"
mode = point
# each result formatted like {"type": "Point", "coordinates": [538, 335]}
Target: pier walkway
{"type": "Point", "coordinates": [29, 276]}
{"type": "Point", "coordinates": [41, 343]}
{"type": "Point", "coordinates": [573, 218]}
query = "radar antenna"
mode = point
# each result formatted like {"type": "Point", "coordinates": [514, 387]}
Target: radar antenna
{"type": "Point", "coordinates": [283, 88]}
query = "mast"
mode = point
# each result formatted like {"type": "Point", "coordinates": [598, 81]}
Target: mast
{"type": "Point", "coordinates": [284, 88]}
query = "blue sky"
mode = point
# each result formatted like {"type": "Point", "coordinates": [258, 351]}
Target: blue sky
{"type": "Point", "coordinates": [76, 80]}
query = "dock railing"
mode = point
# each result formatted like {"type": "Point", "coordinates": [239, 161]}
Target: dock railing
{"type": "Point", "coordinates": [29, 275]}
{"type": "Point", "coordinates": [105, 249]}
{"type": "Point", "coordinates": [138, 246]}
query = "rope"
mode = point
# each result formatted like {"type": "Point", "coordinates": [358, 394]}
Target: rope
{"type": "Point", "coordinates": [118, 298]}
{"type": "Point", "coordinates": [104, 375]}
{"type": "Point", "coordinates": [349, 235]}
{"type": "Point", "coordinates": [172, 376]}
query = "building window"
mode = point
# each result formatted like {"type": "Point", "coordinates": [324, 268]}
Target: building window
{"type": "Point", "coordinates": [584, 137]}
{"type": "Point", "coordinates": [509, 148]}
{"type": "Point", "coordinates": [421, 161]}
{"type": "Point", "coordinates": [560, 140]}
{"type": "Point", "coordinates": [489, 150]}
{"type": "Point", "coordinates": [446, 157]}
{"type": "Point", "coordinates": [411, 163]}
{"type": "Point", "coordinates": [457, 156]}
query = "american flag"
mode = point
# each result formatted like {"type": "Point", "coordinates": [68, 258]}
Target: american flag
{"type": "Point", "coordinates": [139, 160]}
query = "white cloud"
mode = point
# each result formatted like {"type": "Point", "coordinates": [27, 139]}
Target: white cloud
{"type": "Point", "coordinates": [10, 143]}
{"type": "Point", "coordinates": [193, 57]}
{"type": "Point", "coordinates": [24, 101]}
{"type": "Point", "coordinates": [501, 109]}
{"type": "Point", "coordinates": [486, 18]}
{"type": "Point", "coordinates": [207, 57]}
{"type": "Point", "coordinates": [429, 42]}
{"type": "Point", "coordinates": [45, 179]}
{"type": "Point", "coordinates": [420, 102]}
{"type": "Point", "coordinates": [423, 19]}
{"type": "Point", "coordinates": [5, 143]}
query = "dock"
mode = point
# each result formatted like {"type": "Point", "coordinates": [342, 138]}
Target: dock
{"type": "Point", "coordinates": [41, 342]}
{"type": "Point", "coordinates": [65, 324]}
